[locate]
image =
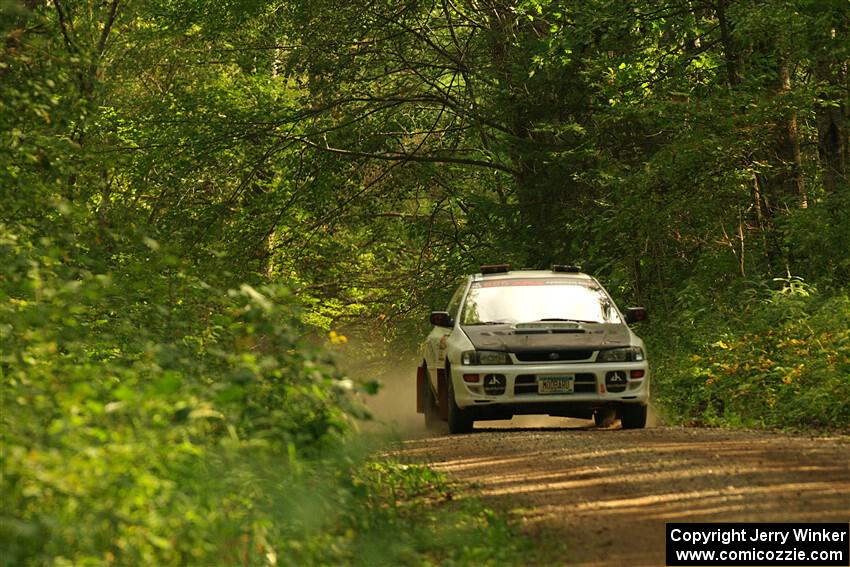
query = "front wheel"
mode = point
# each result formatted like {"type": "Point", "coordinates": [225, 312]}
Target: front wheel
{"type": "Point", "coordinates": [460, 421]}
{"type": "Point", "coordinates": [633, 416]}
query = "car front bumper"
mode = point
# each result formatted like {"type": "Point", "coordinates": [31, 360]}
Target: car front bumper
{"type": "Point", "coordinates": [521, 386]}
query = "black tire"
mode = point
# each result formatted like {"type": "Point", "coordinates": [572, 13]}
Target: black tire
{"type": "Point", "coordinates": [604, 417]}
{"type": "Point", "coordinates": [460, 421]}
{"type": "Point", "coordinates": [432, 414]}
{"type": "Point", "coordinates": [633, 416]}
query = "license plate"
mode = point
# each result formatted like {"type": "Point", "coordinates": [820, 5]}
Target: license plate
{"type": "Point", "coordinates": [556, 384]}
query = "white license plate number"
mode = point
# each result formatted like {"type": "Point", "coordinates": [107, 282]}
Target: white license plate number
{"type": "Point", "coordinates": [556, 384]}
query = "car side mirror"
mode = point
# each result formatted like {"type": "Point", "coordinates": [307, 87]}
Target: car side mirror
{"type": "Point", "coordinates": [636, 315]}
{"type": "Point", "coordinates": [442, 319]}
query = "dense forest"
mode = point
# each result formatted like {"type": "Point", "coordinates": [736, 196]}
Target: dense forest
{"type": "Point", "coordinates": [202, 201]}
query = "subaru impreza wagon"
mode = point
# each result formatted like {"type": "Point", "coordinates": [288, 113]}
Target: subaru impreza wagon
{"type": "Point", "coordinates": [549, 342]}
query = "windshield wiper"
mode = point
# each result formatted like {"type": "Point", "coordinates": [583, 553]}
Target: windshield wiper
{"type": "Point", "coordinates": [567, 320]}
{"type": "Point", "coordinates": [491, 323]}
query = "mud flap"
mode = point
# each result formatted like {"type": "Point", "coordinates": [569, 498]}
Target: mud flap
{"type": "Point", "coordinates": [421, 384]}
{"type": "Point", "coordinates": [442, 394]}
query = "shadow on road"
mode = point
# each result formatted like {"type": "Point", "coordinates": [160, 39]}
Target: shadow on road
{"type": "Point", "coordinates": [605, 494]}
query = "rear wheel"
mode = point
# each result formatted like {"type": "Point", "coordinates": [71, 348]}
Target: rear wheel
{"type": "Point", "coordinates": [432, 414]}
{"type": "Point", "coordinates": [633, 416]}
{"type": "Point", "coordinates": [460, 421]}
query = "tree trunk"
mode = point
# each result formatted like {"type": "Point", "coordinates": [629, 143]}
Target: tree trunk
{"type": "Point", "coordinates": [832, 123]}
{"type": "Point", "coordinates": [731, 56]}
{"type": "Point", "coordinates": [783, 187]}
{"type": "Point", "coordinates": [791, 183]}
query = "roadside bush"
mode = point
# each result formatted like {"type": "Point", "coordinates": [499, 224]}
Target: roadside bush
{"type": "Point", "coordinates": [121, 396]}
{"type": "Point", "coordinates": [148, 417]}
{"type": "Point", "coordinates": [781, 360]}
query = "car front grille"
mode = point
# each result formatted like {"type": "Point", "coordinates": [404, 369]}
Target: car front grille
{"type": "Point", "coordinates": [553, 355]}
{"type": "Point", "coordinates": [527, 384]}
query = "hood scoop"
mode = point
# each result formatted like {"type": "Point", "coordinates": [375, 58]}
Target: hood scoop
{"type": "Point", "coordinates": [495, 333]}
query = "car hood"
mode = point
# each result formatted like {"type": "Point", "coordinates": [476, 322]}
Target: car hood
{"type": "Point", "coordinates": [548, 336]}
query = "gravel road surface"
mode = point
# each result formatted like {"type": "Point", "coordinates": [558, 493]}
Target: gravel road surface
{"type": "Point", "coordinates": [604, 495]}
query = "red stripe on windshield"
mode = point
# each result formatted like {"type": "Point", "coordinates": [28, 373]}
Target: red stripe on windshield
{"type": "Point", "coordinates": [511, 283]}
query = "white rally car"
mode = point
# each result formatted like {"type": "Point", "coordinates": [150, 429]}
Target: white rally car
{"type": "Point", "coordinates": [533, 342]}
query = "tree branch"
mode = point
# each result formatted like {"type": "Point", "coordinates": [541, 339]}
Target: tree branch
{"type": "Point", "coordinates": [405, 157]}
{"type": "Point", "coordinates": [64, 25]}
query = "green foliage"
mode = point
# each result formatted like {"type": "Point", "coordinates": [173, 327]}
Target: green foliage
{"type": "Point", "coordinates": [125, 398]}
{"type": "Point", "coordinates": [162, 420]}
{"type": "Point", "coordinates": [816, 241]}
{"type": "Point", "coordinates": [781, 361]}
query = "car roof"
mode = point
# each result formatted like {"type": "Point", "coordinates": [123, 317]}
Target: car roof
{"type": "Point", "coordinates": [533, 274]}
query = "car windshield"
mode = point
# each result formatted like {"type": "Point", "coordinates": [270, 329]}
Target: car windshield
{"type": "Point", "coordinates": [534, 300]}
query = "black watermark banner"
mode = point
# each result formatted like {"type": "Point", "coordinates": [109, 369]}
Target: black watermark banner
{"type": "Point", "coordinates": [764, 545]}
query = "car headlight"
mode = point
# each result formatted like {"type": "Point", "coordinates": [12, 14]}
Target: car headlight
{"type": "Point", "coordinates": [625, 354]}
{"type": "Point", "coordinates": [484, 357]}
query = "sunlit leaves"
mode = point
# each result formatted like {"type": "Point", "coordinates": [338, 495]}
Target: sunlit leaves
{"type": "Point", "coordinates": [785, 367]}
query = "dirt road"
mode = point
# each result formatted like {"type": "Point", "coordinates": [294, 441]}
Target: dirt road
{"type": "Point", "coordinates": [603, 495]}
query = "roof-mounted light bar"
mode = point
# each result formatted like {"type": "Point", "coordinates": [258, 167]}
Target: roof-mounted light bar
{"type": "Point", "coordinates": [495, 269]}
{"type": "Point", "coordinates": [566, 268]}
